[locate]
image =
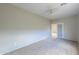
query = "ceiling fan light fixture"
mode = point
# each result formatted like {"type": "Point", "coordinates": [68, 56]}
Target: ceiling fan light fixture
{"type": "Point", "coordinates": [62, 4]}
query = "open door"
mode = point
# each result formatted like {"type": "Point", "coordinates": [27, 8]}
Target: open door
{"type": "Point", "coordinates": [54, 31]}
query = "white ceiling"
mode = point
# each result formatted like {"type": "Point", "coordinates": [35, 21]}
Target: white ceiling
{"type": "Point", "coordinates": [70, 9]}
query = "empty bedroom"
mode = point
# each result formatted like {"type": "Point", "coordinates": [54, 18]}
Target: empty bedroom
{"type": "Point", "coordinates": [39, 28]}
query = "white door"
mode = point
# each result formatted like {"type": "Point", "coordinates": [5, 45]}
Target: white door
{"type": "Point", "coordinates": [60, 31]}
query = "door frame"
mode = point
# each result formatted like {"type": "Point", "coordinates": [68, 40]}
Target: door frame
{"type": "Point", "coordinates": [62, 29]}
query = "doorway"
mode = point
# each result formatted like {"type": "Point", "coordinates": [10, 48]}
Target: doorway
{"type": "Point", "coordinates": [57, 31]}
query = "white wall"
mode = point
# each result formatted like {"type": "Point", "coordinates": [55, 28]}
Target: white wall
{"type": "Point", "coordinates": [70, 27]}
{"type": "Point", "coordinates": [19, 28]}
{"type": "Point", "coordinates": [78, 27]}
{"type": "Point", "coordinates": [78, 31]}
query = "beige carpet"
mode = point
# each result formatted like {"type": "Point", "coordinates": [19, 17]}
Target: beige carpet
{"type": "Point", "coordinates": [48, 47]}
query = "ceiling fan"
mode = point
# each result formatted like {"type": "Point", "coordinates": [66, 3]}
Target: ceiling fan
{"type": "Point", "coordinates": [51, 10]}
{"type": "Point", "coordinates": [62, 4]}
